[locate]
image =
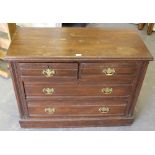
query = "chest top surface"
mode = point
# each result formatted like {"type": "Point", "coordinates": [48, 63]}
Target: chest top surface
{"type": "Point", "coordinates": [75, 43]}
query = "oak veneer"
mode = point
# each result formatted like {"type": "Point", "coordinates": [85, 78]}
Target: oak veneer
{"type": "Point", "coordinates": [77, 77]}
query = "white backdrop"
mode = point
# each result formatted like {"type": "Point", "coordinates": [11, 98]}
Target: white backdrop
{"type": "Point", "coordinates": [39, 24]}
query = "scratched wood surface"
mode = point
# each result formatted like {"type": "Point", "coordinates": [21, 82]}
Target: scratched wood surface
{"type": "Point", "coordinates": [90, 43]}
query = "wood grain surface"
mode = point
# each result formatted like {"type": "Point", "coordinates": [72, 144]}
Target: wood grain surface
{"type": "Point", "coordinates": [99, 43]}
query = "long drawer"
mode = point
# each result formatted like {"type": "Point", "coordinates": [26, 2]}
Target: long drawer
{"type": "Point", "coordinates": [50, 109]}
{"type": "Point", "coordinates": [48, 71]}
{"type": "Point", "coordinates": [108, 72]}
{"type": "Point", "coordinates": [49, 90]}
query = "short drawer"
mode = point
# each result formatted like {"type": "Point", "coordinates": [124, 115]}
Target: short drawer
{"type": "Point", "coordinates": [48, 109]}
{"type": "Point", "coordinates": [48, 90]}
{"type": "Point", "coordinates": [108, 72]}
{"type": "Point", "coordinates": [48, 71]}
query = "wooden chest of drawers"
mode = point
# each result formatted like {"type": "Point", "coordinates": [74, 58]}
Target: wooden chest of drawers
{"type": "Point", "coordinates": [77, 77]}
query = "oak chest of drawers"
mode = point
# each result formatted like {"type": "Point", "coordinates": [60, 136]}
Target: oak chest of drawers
{"type": "Point", "coordinates": [77, 77]}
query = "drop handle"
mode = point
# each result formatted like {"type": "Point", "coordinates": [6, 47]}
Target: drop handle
{"type": "Point", "coordinates": [104, 109]}
{"type": "Point", "coordinates": [49, 110]}
{"type": "Point", "coordinates": [48, 91]}
{"type": "Point", "coordinates": [109, 71]}
{"type": "Point", "coordinates": [107, 91]}
{"type": "Point", "coordinates": [49, 72]}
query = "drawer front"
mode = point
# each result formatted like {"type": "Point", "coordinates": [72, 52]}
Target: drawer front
{"type": "Point", "coordinates": [48, 109]}
{"type": "Point", "coordinates": [48, 90]}
{"type": "Point", "coordinates": [48, 71]}
{"type": "Point", "coordinates": [108, 72]}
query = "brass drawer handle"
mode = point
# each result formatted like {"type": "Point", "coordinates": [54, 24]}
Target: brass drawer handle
{"type": "Point", "coordinates": [48, 72]}
{"type": "Point", "coordinates": [109, 71]}
{"type": "Point", "coordinates": [49, 110]}
{"type": "Point", "coordinates": [104, 109]}
{"type": "Point", "coordinates": [106, 90]}
{"type": "Point", "coordinates": [48, 91]}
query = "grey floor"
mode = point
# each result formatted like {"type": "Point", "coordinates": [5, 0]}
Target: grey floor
{"type": "Point", "coordinates": [145, 115]}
